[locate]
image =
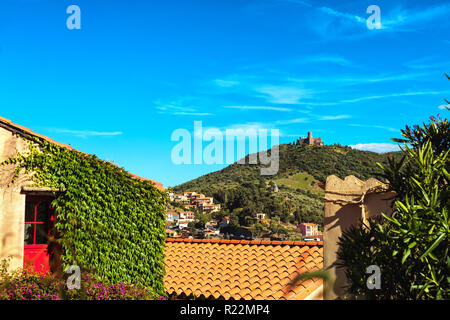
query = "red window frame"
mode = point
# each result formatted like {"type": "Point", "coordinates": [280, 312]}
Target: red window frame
{"type": "Point", "coordinates": [36, 200]}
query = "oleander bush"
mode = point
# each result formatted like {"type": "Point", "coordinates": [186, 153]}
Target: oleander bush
{"type": "Point", "coordinates": [411, 247]}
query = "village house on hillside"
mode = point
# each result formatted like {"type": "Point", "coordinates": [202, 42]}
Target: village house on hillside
{"type": "Point", "coordinates": [193, 199]}
{"type": "Point", "coordinates": [310, 232]}
{"type": "Point", "coordinates": [309, 229]}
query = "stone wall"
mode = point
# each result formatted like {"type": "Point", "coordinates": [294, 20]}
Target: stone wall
{"type": "Point", "coordinates": [12, 201]}
{"type": "Point", "coordinates": [347, 202]}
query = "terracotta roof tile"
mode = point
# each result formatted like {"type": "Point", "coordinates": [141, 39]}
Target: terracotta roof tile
{"type": "Point", "coordinates": [235, 269]}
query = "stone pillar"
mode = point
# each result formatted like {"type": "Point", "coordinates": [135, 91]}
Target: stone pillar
{"type": "Point", "coordinates": [347, 202]}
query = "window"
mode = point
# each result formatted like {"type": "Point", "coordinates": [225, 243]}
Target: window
{"type": "Point", "coordinates": [38, 220]}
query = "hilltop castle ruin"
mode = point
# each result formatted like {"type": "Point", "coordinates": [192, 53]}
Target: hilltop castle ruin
{"type": "Point", "coordinates": [309, 140]}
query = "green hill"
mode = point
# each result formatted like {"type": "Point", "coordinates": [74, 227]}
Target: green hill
{"type": "Point", "coordinates": [243, 192]}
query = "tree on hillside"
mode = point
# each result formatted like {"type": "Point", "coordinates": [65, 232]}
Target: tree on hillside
{"type": "Point", "coordinates": [201, 219]}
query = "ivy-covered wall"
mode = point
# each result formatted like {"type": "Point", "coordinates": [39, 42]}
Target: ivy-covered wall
{"type": "Point", "coordinates": [107, 221]}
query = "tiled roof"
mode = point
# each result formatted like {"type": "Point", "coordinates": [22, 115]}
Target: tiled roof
{"type": "Point", "coordinates": [240, 269]}
{"type": "Point", "coordinates": [172, 214]}
{"type": "Point", "coordinates": [25, 130]}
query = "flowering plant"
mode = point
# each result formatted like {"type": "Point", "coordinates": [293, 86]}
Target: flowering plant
{"type": "Point", "coordinates": [28, 284]}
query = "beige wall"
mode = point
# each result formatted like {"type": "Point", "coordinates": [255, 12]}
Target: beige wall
{"type": "Point", "coordinates": [12, 202]}
{"type": "Point", "coordinates": [346, 201]}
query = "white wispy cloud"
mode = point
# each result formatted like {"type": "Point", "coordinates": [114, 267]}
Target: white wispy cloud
{"type": "Point", "coordinates": [399, 19]}
{"type": "Point", "coordinates": [175, 109]}
{"type": "Point", "coordinates": [426, 63]}
{"type": "Point", "coordinates": [299, 2]}
{"type": "Point", "coordinates": [396, 19]}
{"type": "Point", "coordinates": [415, 18]}
{"type": "Point", "coordinates": [258, 108]}
{"type": "Point", "coordinates": [376, 147]}
{"type": "Point", "coordinates": [344, 81]}
{"type": "Point", "coordinates": [334, 59]}
{"type": "Point", "coordinates": [170, 108]}
{"type": "Point", "coordinates": [294, 99]}
{"type": "Point", "coordinates": [348, 16]}
{"type": "Point", "coordinates": [283, 94]}
{"type": "Point", "coordinates": [86, 133]}
{"type": "Point", "coordinates": [376, 97]}
{"type": "Point", "coordinates": [374, 127]}
{"type": "Point", "coordinates": [193, 113]}
{"type": "Point", "coordinates": [290, 121]}
{"type": "Point", "coordinates": [398, 77]}
{"type": "Point", "coordinates": [392, 95]}
{"type": "Point", "coordinates": [225, 83]}
{"type": "Point", "coordinates": [444, 106]}
{"type": "Point", "coordinates": [338, 117]}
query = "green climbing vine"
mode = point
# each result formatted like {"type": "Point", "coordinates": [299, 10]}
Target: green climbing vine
{"type": "Point", "coordinates": [107, 221]}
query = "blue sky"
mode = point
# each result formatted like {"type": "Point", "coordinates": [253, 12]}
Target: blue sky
{"type": "Point", "coordinates": [138, 70]}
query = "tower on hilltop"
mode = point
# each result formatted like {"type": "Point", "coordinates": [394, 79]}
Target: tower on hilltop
{"type": "Point", "coordinates": [309, 140]}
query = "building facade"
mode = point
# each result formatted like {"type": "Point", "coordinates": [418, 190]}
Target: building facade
{"type": "Point", "coordinates": [308, 229]}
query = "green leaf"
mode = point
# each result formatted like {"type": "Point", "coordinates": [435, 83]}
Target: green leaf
{"type": "Point", "coordinates": [412, 245]}
{"type": "Point", "coordinates": [406, 255]}
{"type": "Point", "coordinates": [433, 246]}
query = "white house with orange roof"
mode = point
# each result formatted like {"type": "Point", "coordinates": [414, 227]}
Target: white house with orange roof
{"type": "Point", "coordinates": [187, 215]}
{"type": "Point", "coordinates": [309, 229]}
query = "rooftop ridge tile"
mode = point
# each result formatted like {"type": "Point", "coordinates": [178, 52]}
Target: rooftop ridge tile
{"type": "Point", "coordinates": [248, 242]}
